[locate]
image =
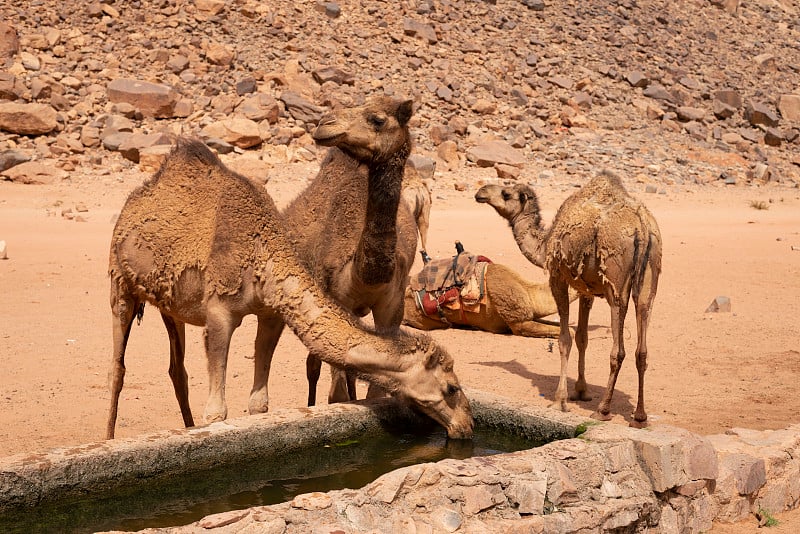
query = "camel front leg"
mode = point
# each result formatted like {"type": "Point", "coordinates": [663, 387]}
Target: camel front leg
{"type": "Point", "coordinates": [267, 337]}
{"type": "Point", "coordinates": [561, 296]}
{"type": "Point", "coordinates": [535, 329]}
{"type": "Point", "coordinates": [581, 342]}
{"type": "Point", "coordinates": [177, 369]}
{"type": "Point", "coordinates": [217, 337]}
{"type": "Point", "coordinates": [123, 308]}
{"type": "Point", "coordinates": [339, 391]}
{"type": "Point", "coordinates": [388, 315]}
{"type": "Point", "coordinates": [313, 369]}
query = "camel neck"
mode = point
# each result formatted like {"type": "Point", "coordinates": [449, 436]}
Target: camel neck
{"type": "Point", "coordinates": [529, 236]}
{"type": "Point", "coordinates": [375, 255]}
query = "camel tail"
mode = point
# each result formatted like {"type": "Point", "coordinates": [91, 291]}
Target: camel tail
{"type": "Point", "coordinates": [642, 258]}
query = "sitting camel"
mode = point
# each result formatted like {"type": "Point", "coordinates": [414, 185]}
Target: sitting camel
{"type": "Point", "coordinates": [507, 303]}
{"type": "Point", "coordinates": [602, 243]}
{"type": "Point", "coordinates": [206, 246]}
{"type": "Point", "coordinates": [349, 227]}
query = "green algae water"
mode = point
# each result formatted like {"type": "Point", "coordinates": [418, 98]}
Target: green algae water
{"type": "Point", "coordinates": [182, 500]}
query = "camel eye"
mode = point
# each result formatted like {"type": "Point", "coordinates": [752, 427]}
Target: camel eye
{"type": "Point", "coordinates": [376, 121]}
{"type": "Point", "coordinates": [506, 195]}
{"type": "Point", "coordinates": [452, 389]}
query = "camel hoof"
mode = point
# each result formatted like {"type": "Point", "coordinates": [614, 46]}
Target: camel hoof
{"type": "Point", "coordinates": [638, 424]}
{"type": "Point", "coordinates": [214, 418]}
{"type": "Point", "coordinates": [601, 416]}
{"type": "Point", "coordinates": [560, 406]}
{"type": "Point", "coordinates": [253, 410]}
{"type": "Point", "coordinates": [581, 396]}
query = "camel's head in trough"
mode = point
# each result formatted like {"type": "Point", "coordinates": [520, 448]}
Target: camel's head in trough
{"type": "Point", "coordinates": [509, 201]}
{"type": "Point", "coordinates": [373, 132]}
{"type": "Point", "coordinates": [421, 375]}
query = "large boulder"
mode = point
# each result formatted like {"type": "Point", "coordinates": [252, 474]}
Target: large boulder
{"type": "Point", "coordinates": [27, 119]}
{"type": "Point", "coordinates": [151, 99]}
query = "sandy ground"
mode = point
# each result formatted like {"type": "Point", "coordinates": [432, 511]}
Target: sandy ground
{"type": "Point", "coordinates": [707, 372]}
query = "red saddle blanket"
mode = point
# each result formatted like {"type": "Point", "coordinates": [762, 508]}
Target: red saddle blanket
{"type": "Point", "coordinates": [456, 283]}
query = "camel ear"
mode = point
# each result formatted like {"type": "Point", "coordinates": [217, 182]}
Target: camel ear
{"type": "Point", "coordinates": [432, 357]}
{"type": "Point", "coordinates": [404, 112]}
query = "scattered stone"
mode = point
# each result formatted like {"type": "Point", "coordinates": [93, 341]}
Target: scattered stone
{"type": "Point", "coordinates": [637, 79]}
{"type": "Point", "coordinates": [333, 74]}
{"type": "Point", "coordinates": [789, 107]}
{"type": "Point", "coordinates": [658, 92]}
{"type": "Point", "coordinates": [759, 173]}
{"type": "Point", "coordinates": [9, 42]}
{"type": "Point", "coordinates": [246, 86]}
{"type": "Point", "coordinates": [3, 250]}
{"type": "Point", "coordinates": [757, 113]}
{"type": "Point", "coordinates": [219, 54]}
{"type": "Point", "coordinates": [424, 31]}
{"type": "Point", "coordinates": [507, 172]}
{"type": "Point", "coordinates": [719, 305]}
{"type": "Point", "coordinates": [312, 501]}
{"type": "Point", "coordinates": [10, 158]}
{"type": "Point", "coordinates": [534, 5]}
{"type": "Point", "coordinates": [239, 132]}
{"type": "Point", "coordinates": [730, 6]}
{"type": "Point", "coordinates": [300, 108]}
{"type": "Point", "coordinates": [729, 97]}
{"type": "Point", "coordinates": [686, 113]}
{"type": "Point", "coordinates": [27, 119]}
{"type": "Point", "coordinates": [33, 172]}
{"type": "Point", "coordinates": [150, 99]}
{"type": "Point", "coordinates": [223, 519]}
{"type": "Point", "coordinates": [490, 153]}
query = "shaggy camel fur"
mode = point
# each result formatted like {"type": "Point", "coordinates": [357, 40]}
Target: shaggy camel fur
{"type": "Point", "coordinates": [417, 195]}
{"type": "Point", "coordinates": [512, 304]}
{"type": "Point", "coordinates": [206, 247]}
{"type": "Point", "coordinates": [602, 243]}
{"type": "Point", "coordinates": [350, 228]}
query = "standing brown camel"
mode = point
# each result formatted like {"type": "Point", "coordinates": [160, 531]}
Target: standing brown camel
{"type": "Point", "coordinates": [603, 243]}
{"type": "Point", "coordinates": [350, 228]}
{"type": "Point", "coordinates": [206, 247]}
{"type": "Point", "coordinates": [418, 196]}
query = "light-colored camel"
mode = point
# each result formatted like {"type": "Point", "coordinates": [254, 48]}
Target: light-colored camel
{"type": "Point", "coordinates": [417, 195]}
{"type": "Point", "coordinates": [206, 247]}
{"type": "Point", "coordinates": [603, 243]}
{"type": "Point", "coordinates": [349, 227]}
{"type": "Point", "coordinates": [511, 304]}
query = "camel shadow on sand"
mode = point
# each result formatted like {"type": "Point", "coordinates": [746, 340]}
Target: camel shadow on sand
{"type": "Point", "coordinates": [547, 384]}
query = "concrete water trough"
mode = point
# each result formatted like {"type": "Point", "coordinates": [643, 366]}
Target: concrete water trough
{"type": "Point", "coordinates": [586, 477]}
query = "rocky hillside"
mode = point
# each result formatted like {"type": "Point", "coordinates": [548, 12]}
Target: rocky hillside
{"type": "Point", "coordinates": [668, 91]}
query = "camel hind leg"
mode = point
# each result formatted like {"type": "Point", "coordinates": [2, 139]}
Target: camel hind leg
{"type": "Point", "coordinates": [643, 303]}
{"type": "Point", "coordinates": [581, 342]}
{"type": "Point", "coordinates": [619, 309]}
{"type": "Point", "coordinates": [124, 308]}
{"type": "Point", "coordinates": [561, 296]}
{"type": "Point", "coordinates": [176, 331]}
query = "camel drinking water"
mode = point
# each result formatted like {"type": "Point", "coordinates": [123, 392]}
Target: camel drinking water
{"type": "Point", "coordinates": [350, 228]}
{"type": "Point", "coordinates": [206, 246]}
